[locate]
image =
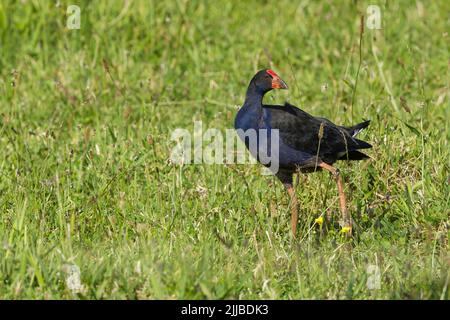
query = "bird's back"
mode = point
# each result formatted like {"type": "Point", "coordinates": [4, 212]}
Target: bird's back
{"type": "Point", "coordinates": [313, 136]}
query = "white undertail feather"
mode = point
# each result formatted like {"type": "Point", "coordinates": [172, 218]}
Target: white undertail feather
{"type": "Point", "coordinates": [356, 132]}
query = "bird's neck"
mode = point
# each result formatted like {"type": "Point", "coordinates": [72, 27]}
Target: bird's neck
{"type": "Point", "coordinates": [254, 97]}
{"type": "Point", "coordinates": [249, 116]}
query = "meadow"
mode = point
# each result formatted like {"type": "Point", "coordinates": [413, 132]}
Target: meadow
{"type": "Point", "coordinates": [92, 208]}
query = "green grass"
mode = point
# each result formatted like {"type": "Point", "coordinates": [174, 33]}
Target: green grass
{"type": "Point", "coordinates": [85, 123]}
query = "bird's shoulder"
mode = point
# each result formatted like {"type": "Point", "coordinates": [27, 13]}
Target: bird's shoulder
{"type": "Point", "coordinates": [288, 111]}
{"type": "Point", "coordinates": [290, 119]}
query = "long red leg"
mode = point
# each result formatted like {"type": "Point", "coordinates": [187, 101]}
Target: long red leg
{"type": "Point", "coordinates": [346, 217]}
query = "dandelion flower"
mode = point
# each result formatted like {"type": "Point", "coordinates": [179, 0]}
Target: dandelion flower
{"type": "Point", "coordinates": [345, 229]}
{"type": "Point", "coordinates": [319, 221]}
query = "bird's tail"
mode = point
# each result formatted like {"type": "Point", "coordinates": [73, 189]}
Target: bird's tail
{"type": "Point", "coordinates": [353, 155]}
{"type": "Point", "coordinates": [354, 130]}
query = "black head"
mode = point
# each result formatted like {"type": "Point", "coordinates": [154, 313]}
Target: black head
{"type": "Point", "coordinates": [266, 80]}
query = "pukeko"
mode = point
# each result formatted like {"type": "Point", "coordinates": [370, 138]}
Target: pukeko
{"type": "Point", "coordinates": [305, 143]}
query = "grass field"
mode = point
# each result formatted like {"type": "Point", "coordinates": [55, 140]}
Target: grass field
{"type": "Point", "coordinates": [91, 208]}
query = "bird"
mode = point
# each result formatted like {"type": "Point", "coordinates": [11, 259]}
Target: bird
{"type": "Point", "coordinates": [305, 143]}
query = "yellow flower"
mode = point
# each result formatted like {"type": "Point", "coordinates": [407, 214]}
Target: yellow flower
{"type": "Point", "coordinates": [319, 221]}
{"type": "Point", "coordinates": [346, 229]}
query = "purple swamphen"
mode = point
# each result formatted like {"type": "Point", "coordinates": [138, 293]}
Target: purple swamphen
{"type": "Point", "coordinates": [305, 143]}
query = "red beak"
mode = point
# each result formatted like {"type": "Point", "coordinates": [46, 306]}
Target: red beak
{"type": "Point", "coordinates": [278, 83]}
